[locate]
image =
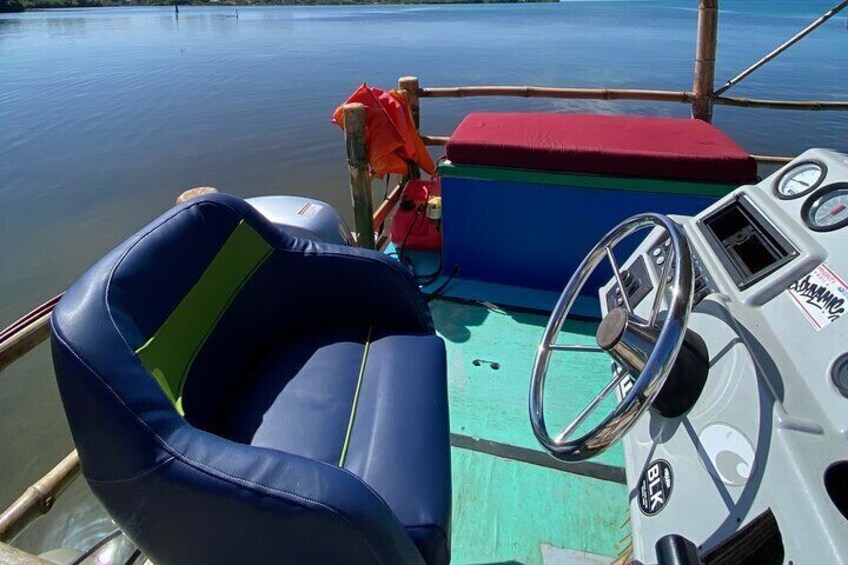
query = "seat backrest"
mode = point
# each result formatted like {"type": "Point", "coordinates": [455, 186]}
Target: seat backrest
{"type": "Point", "coordinates": [126, 338]}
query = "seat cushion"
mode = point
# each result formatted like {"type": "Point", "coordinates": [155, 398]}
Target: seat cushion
{"type": "Point", "coordinates": [400, 441]}
{"type": "Point", "coordinates": [669, 148]}
{"type": "Point", "coordinates": [299, 398]}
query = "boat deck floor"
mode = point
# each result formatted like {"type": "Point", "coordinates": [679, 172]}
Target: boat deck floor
{"type": "Point", "coordinates": [512, 502]}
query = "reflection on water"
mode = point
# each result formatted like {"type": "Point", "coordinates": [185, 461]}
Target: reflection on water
{"type": "Point", "coordinates": [107, 114]}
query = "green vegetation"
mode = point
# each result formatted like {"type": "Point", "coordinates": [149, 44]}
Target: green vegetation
{"type": "Point", "coordinates": [20, 5]}
{"type": "Point", "coordinates": [12, 6]}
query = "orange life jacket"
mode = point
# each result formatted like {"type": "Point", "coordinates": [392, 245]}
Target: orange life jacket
{"type": "Point", "coordinates": [391, 139]}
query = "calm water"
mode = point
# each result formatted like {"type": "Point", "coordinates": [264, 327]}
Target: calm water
{"type": "Point", "coordinates": [107, 114]}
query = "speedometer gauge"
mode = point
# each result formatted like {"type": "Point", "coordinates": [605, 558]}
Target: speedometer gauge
{"type": "Point", "coordinates": [800, 179]}
{"type": "Point", "coordinates": [827, 209]}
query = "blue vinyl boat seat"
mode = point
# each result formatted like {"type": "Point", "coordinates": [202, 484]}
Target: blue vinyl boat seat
{"type": "Point", "coordinates": [238, 395]}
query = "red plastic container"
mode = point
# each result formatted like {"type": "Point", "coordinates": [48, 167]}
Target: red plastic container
{"type": "Point", "coordinates": [411, 226]}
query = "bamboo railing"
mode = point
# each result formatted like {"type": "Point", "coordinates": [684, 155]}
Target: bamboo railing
{"type": "Point", "coordinates": [561, 93]}
{"type": "Point", "coordinates": [26, 333]}
{"type": "Point", "coordinates": [17, 340]}
{"type": "Point", "coordinates": [39, 498]}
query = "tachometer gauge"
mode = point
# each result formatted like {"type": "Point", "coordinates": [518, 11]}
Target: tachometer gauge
{"type": "Point", "coordinates": [800, 179]}
{"type": "Point", "coordinates": [827, 209]}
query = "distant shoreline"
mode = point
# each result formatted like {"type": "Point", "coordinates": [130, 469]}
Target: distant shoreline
{"type": "Point", "coordinates": [7, 6]}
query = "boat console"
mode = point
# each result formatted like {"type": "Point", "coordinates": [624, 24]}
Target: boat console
{"type": "Point", "coordinates": [728, 333]}
{"type": "Point", "coordinates": [760, 458]}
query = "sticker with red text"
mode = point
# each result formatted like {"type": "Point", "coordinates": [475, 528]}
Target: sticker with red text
{"type": "Point", "coordinates": [821, 295]}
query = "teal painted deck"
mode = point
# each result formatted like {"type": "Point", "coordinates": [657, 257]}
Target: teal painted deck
{"type": "Point", "coordinates": [506, 510]}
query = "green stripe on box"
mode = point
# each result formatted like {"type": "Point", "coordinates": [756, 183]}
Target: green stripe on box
{"type": "Point", "coordinates": [633, 184]}
{"type": "Point", "coordinates": [168, 355]}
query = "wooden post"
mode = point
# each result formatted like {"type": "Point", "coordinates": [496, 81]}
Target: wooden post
{"type": "Point", "coordinates": [409, 87]}
{"type": "Point", "coordinates": [705, 54]}
{"type": "Point", "coordinates": [195, 192]}
{"type": "Point", "coordinates": [360, 181]}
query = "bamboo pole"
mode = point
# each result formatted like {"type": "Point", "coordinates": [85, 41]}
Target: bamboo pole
{"type": "Point", "coordinates": [386, 206]}
{"type": "Point", "coordinates": [360, 181]}
{"type": "Point", "coordinates": [24, 340]}
{"type": "Point", "coordinates": [38, 499]}
{"type": "Point", "coordinates": [435, 139]}
{"type": "Point", "coordinates": [705, 55]}
{"type": "Point", "coordinates": [781, 48]}
{"type": "Point", "coordinates": [12, 556]}
{"type": "Point", "coordinates": [409, 87]}
{"type": "Point", "coordinates": [617, 94]}
{"type": "Point", "coordinates": [567, 93]}
{"type": "Point", "coordinates": [840, 105]}
{"type": "Point", "coordinates": [772, 159]}
{"type": "Point", "coordinates": [23, 335]}
{"type": "Point", "coordinates": [195, 192]}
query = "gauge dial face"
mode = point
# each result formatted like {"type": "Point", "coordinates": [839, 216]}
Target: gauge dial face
{"type": "Point", "coordinates": [800, 179]}
{"type": "Point", "coordinates": [829, 210]}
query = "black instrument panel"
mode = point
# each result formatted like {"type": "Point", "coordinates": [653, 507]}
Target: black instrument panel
{"type": "Point", "coordinates": [748, 246]}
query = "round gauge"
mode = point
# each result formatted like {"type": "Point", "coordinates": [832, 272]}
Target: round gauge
{"type": "Point", "coordinates": [800, 179]}
{"type": "Point", "coordinates": [827, 209]}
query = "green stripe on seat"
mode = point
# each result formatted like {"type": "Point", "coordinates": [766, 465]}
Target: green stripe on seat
{"type": "Point", "coordinates": [632, 184]}
{"type": "Point", "coordinates": [168, 355]}
{"type": "Point", "coordinates": [356, 398]}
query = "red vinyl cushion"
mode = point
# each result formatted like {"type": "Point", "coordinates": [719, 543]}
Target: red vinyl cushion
{"type": "Point", "coordinates": [633, 146]}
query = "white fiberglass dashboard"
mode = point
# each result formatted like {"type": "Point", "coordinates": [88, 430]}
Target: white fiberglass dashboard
{"type": "Point", "coordinates": [757, 469]}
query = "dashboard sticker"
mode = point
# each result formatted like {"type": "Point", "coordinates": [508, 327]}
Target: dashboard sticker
{"type": "Point", "coordinates": [821, 295]}
{"type": "Point", "coordinates": [655, 487]}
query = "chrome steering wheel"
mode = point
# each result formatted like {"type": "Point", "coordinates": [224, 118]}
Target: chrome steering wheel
{"type": "Point", "coordinates": [639, 348]}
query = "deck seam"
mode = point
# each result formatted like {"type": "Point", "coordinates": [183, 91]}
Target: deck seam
{"type": "Point", "coordinates": [590, 469]}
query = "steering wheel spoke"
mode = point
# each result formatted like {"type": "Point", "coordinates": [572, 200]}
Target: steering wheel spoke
{"type": "Point", "coordinates": [661, 286]}
{"type": "Point", "coordinates": [566, 433]}
{"type": "Point", "coordinates": [575, 348]}
{"type": "Point", "coordinates": [618, 278]}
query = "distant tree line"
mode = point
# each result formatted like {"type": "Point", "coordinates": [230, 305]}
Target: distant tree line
{"type": "Point", "coordinates": [21, 5]}
{"type": "Point", "coordinates": [12, 6]}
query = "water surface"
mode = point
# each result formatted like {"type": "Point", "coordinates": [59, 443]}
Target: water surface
{"type": "Point", "coordinates": [107, 114]}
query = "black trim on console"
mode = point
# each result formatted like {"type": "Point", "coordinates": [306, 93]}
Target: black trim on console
{"type": "Point", "coordinates": [748, 246]}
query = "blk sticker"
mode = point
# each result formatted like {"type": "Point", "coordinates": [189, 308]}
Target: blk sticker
{"type": "Point", "coordinates": [655, 487]}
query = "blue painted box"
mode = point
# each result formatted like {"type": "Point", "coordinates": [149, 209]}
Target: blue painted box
{"type": "Point", "coordinates": [532, 228]}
